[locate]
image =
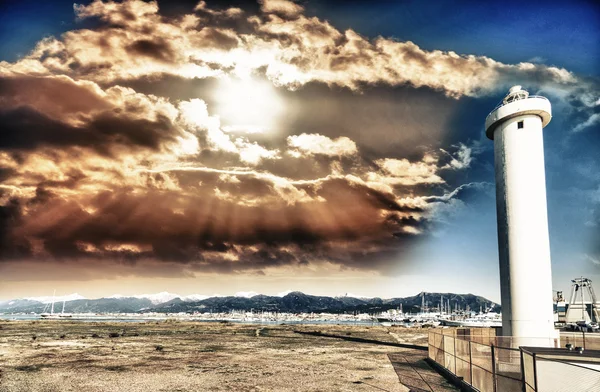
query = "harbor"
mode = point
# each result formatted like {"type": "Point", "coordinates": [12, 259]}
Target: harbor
{"type": "Point", "coordinates": [579, 314]}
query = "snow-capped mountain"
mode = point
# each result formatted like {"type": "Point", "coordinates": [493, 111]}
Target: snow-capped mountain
{"type": "Point", "coordinates": [284, 293]}
{"type": "Point", "coordinates": [355, 296]}
{"type": "Point", "coordinates": [294, 302]}
{"type": "Point", "coordinates": [155, 299]}
{"type": "Point", "coordinates": [158, 298]}
{"type": "Point", "coordinates": [164, 296]}
{"type": "Point", "coordinates": [197, 297]}
{"type": "Point", "coordinates": [246, 294]}
{"type": "Point", "coordinates": [59, 298]}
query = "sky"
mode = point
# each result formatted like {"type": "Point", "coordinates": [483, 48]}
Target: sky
{"type": "Point", "coordinates": [214, 147]}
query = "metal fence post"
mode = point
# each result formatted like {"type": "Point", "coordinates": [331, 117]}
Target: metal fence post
{"type": "Point", "coordinates": [454, 354]}
{"type": "Point", "coordinates": [470, 363]}
{"type": "Point", "coordinates": [523, 370]}
{"type": "Point", "coordinates": [443, 348]}
{"type": "Point", "coordinates": [493, 368]}
{"type": "Point", "coordinates": [535, 372]}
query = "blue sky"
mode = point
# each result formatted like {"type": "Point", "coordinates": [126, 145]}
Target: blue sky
{"type": "Point", "coordinates": [330, 128]}
{"type": "Point", "coordinates": [555, 33]}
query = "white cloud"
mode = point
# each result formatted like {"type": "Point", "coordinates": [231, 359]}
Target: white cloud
{"type": "Point", "coordinates": [461, 160]}
{"type": "Point", "coordinates": [591, 259]}
{"type": "Point", "coordinates": [451, 195]}
{"type": "Point", "coordinates": [253, 153]}
{"type": "Point", "coordinates": [404, 172]}
{"type": "Point", "coordinates": [591, 121]}
{"type": "Point", "coordinates": [283, 7]}
{"type": "Point", "coordinates": [229, 178]}
{"type": "Point", "coordinates": [321, 145]}
{"type": "Point", "coordinates": [194, 114]}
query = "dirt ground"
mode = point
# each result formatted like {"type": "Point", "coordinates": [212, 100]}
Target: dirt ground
{"type": "Point", "coordinates": [48, 356]}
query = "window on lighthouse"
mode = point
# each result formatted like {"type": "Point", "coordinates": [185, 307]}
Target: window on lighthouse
{"type": "Point", "coordinates": [520, 125]}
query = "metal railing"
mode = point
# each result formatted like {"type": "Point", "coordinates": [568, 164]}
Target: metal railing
{"type": "Point", "coordinates": [487, 367]}
{"type": "Point", "coordinates": [548, 373]}
{"type": "Point", "coordinates": [503, 104]}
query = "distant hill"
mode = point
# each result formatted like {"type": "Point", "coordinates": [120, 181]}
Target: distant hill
{"type": "Point", "coordinates": [293, 302]}
{"type": "Point", "coordinates": [100, 305]}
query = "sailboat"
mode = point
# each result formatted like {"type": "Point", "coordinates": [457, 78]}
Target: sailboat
{"type": "Point", "coordinates": [52, 315]}
{"type": "Point", "coordinates": [63, 314]}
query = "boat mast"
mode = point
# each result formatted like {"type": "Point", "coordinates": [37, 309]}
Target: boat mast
{"type": "Point", "coordinates": [52, 309]}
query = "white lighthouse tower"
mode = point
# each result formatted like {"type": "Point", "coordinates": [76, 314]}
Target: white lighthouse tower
{"type": "Point", "coordinates": [524, 247]}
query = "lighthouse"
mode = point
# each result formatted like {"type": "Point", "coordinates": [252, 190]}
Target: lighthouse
{"type": "Point", "coordinates": [516, 127]}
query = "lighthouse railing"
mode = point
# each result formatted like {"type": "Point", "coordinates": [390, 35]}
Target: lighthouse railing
{"type": "Point", "coordinates": [516, 100]}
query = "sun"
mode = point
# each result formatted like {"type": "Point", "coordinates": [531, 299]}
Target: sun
{"type": "Point", "coordinates": [247, 105]}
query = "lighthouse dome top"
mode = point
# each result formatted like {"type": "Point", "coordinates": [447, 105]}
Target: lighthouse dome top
{"type": "Point", "coordinates": [514, 89]}
{"type": "Point", "coordinates": [515, 92]}
{"type": "Point", "coordinates": [516, 103]}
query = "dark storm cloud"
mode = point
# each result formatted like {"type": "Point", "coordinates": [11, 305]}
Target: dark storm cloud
{"type": "Point", "coordinates": [11, 246]}
{"type": "Point", "coordinates": [138, 132]}
{"type": "Point", "coordinates": [359, 194]}
{"type": "Point", "coordinates": [158, 49]}
{"type": "Point", "coordinates": [221, 220]}
{"type": "Point", "coordinates": [206, 232]}
{"type": "Point", "coordinates": [57, 95]}
{"type": "Point", "coordinates": [26, 129]}
{"type": "Point", "coordinates": [210, 37]}
{"type": "Point", "coordinates": [232, 18]}
{"type": "Point", "coordinates": [382, 121]}
{"type": "Point", "coordinates": [60, 112]}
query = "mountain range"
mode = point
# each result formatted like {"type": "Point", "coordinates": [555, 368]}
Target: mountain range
{"type": "Point", "coordinates": [289, 302]}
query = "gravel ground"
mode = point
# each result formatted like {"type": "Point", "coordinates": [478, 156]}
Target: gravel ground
{"type": "Point", "coordinates": [45, 356]}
